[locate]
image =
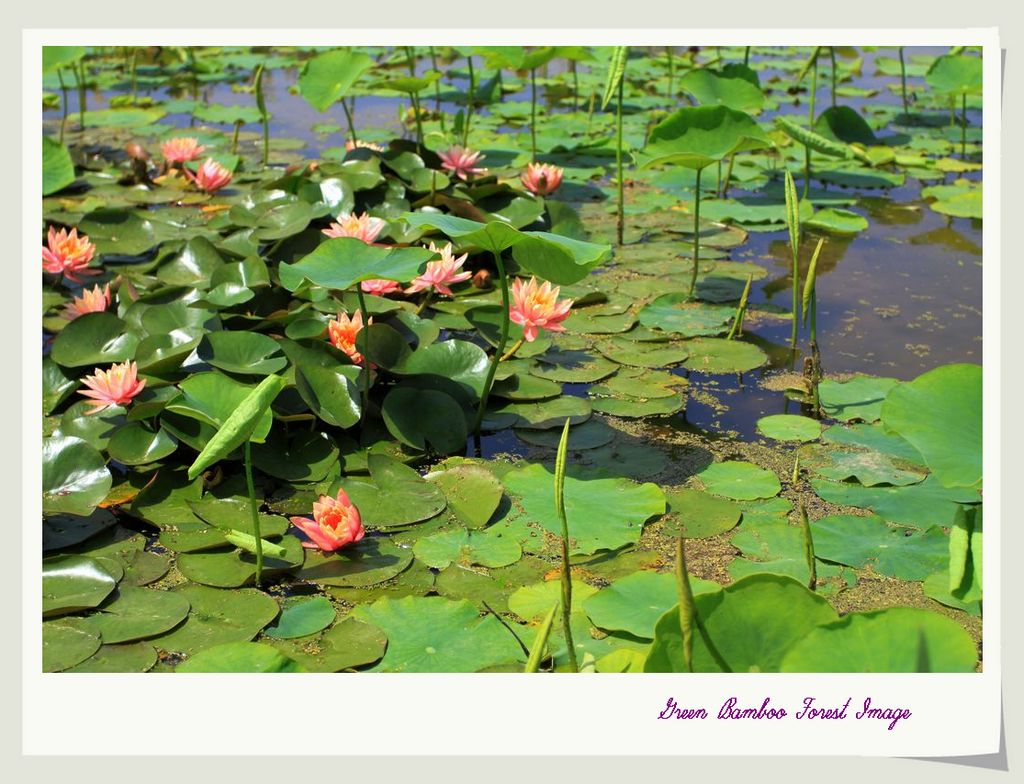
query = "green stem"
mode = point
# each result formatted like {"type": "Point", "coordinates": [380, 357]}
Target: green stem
{"type": "Point", "coordinates": [533, 115]}
{"type": "Point", "coordinates": [500, 349]}
{"type": "Point", "coordinates": [470, 99]}
{"type": "Point", "coordinates": [80, 78]}
{"type": "Point", "coordinates": [437, 85]}
{"type": "Point", "coordinates": [366, 349]}
{"type": "Point", "coordinates": [963, 127]}
{"type": "Point", "coordinates": [746, 55]}
{"type": "Point", "coordinates": [426, 301]}
{"type": "Point", "coordinates": [671, 73]}
{"type": "Point", "coordinates": [254, 512]}
{"type": "Point", "coordinates": [832, 58]}
{"type": "Point", "coordinates": [63, 104]}
{"type": "Point", "coordinates": [512, 351]}
{"type": "Point", "coordinates": [419, 121]}
{"type": "Point", "coordinates": [348, 119]}
{"type": "Point", "coordinates": [687, 608]}
{"type": "Point", "coordinates": [807, 150]}
{"type": "Point", "coordinates": [135, 82]}
{"type": "Point", "coordinates": [560, 458]}
{"type": "Point", "coordinates": [621, 225]}
{"type": "Point", "coordinates": [728, 175]}
{"type": "Point", "coordinates": [903, 84]}
{"type": "Point", "coordinates": [575, 86]}
{"type": "Point", "coordinates": [234, 137]}
{"type": "Point", "coordinates": [262, 106]}
{"type": "Point", "coordinates": [696, 234]}
{"type": "Point", "coordinates": [812, 570]}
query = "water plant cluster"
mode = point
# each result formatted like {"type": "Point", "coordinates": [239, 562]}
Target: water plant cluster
{"type": "Point", "coordinates": [410, 393]}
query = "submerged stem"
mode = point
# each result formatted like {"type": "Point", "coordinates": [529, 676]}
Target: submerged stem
{"type": "Point", "coordinates": [500, 350]}
{"type": "Point", "coordinates": [621, 225]}
{"type": "Point", "coordinates": [254, 512]}
{"type": "Point", "coordinates": [696, 234]}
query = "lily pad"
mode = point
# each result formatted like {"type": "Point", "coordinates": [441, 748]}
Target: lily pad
{"type": "Point", "coordinates": [74, 582]}
{"type": "Point", "coordinates": [218, 617]}
{"type": "Point", "coordinates": [302, 618]}
{"type": "Point", "coordinates": [859, 398]}
{"type": "Point", "coordinates": [137, 613]}
{"type": "Point", "coordinates": [347, 644]}
{"type": "Point", "coordinates": [717, 355]}
{"type": "Point", "coordinates": [700, 515]}
{"type": "Point", "coordinates": [433, 634]}
{"type": "Point", "coordinates": [239, 657]}
{"type": "Point", "coordinates": [634, 603]}
{"type": "Point", "coordinates": [472, 492]}
{"type": "Point", "coordinates": [739, 480]}
{"type": "Point", "coordinates": [485, 548]}
{"type": "Point", "coordinates": [398, 495]}
{"type": "Point", "coordinates": [75, 477]}
{"type": "Point", "coordinates": [371, 560]}
{"type": "Point", "coordinates": [66, 645]}
{"type": "Point", "coordinates": [862, 541]}
{"type": "Point", "coordinates": [789, 427]}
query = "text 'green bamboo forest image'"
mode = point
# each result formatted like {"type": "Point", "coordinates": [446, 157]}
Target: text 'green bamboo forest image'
{"type": "Point", "coordinates": [520, 359]}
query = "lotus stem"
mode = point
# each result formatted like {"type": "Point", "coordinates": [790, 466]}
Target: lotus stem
{"type": "Point", "coordinates": [135, 82]}
{"type": "Point", "coordinates": [563, 448]}
{"type": "Point", "coordinates": [687, 607]}
{"type": "Point", "coordinates": [366, 349]}
{"type": "Point", "coordinates": [533, 115]}
{"type": "Point", "coordinates": [696, 235]}
{"type": "Point", "coordinates": [728, 176]}
{"type": "Point", "coordinates": [746, 55]}
{"type": "Point", "coordinates": [262, 106]}
{"type": "Point", "coordinates": [793, 223]}
{"type": "Point", "coordinates": [621, 225]}
{"type": "Point", "coordinates": [470, 99]}
{"type": "Point", "coordinates": [437, 86]}
{"type": "Point", "coordinates": [540, 642]}
{"type": "Point", "coordinates": [80, 78]}
{"type": "Point", "coordinates": [427, 297]}
{"type": "Point", "coordinates": [671, 73]}
{"type": "Point", "coordinates": [796, 471]}
{"type": "Point", "coordinates": [499, 351]}
{"type": "Point", "coordinates": [234, 137]}
{"type": "Point", "coordinates": [807, 150]}
{"type": "Point", "coordinates": [590, 109]}
{"type": "Point", "coordinates": [963, 127]}
{"type": "Point", "coordinates": [254, 512]}
{"type": "Point", "coordinates": [349, 120]}
{"type": "Point", "coordinates": [832, 59]}
{"type": "Point", "coordinates": [903, 84]}
{"type": "Point", "coordinates": [63, 105]}
{"type": "Point", "coordinates": [812, 569]}
{"type": "Point", "coordinates": [512, 351]}
{"type": "Point", "coordinates": [741, 310]}
{"type": "Point", "coordinates": [575, 86]}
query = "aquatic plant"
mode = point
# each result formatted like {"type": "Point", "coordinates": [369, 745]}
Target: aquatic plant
{"type": "Point", "coordinates": [336, 523]}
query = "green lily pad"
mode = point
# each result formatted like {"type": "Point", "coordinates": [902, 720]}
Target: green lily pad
{"type": "Point", "coordinates": [939, 413]}
{"type": "Point", "coordinates": [646, 355]}
{"type": "Point", "coordinates": [921, 505]}
{"type": "Point", "coordinates": [302, 618]}
{"type": "Point", "coordinates": [218, 617]}
{"type": "Point", "coordinates": [789, 427]}
{"type": "Point", "coordinates": [239, 657]}
{"type": "Point", "coordinates": [433, 634]}
{"type": "Point", "coordinates": [897, 639]}
{"type": "Point", "coordinates": [472, 492]}
{"type": "Point", "coordinates": [700, 515]}
{"type": "Point", "coordinates": [74, 582]}
{"type": "Point", "coordinates": [543, 415]}
{"type": "Point", "coordinates": [485, 548]}
{"type": "Point", "coordinates": [58, 170]}
{"type": "Point", "coordinates": [137, 444]}
{"type": "Point", "coordinates": [860, 398]}
{"type": "Point", "coordinates": [717, 355]}
{"type": "Point", "coordinates": [131, 657]}
{"type": "Point", "coordinates": [234, 568]}
{"type": "Point", "coordinates": [634, 603]}
{"type": "Point", "coordinates": [94, 339]}
{"type": "Point", "coordinates": [751, 625]}
{"type": "Point", "coordinates": [75, 476]}
{"type": "Point", "coordinates": [673, 312]}
{"type": "Point", "coordinates": [833, 220]}
{"type": "Point", "coordinates": [137, 613]}
{"type": "Point", "coordinates": [936, 586]}
{"type": "Point", "coordinates": [591, 434]}
{"type": "Point", "coordinates": [65, 645]}
{"type": "Point", "coordinates": [398, 495]}
{"type": "Point", "coordinates": [327, 77]}
{"type": "Point", "coordinates": [603, 513]}
{"type": "Point", "coordinates": [874, 438]}
{"type": "Point", "coordinates": [347, 644]}
{"type": "Point", "coordinates": [776, 547]}
{"type": "Point", "coordinates": [371, 560]}
{"type": "Point", "coordinates": [305, 457]}
{"type": "Point", "coordinates": [862, 541]}
{"type": "Point", "coordinates": [739, 480]}
{"type": "Point", "coordinates": [573, 366]}
{"type": "Point", "coordinates": [425, 418]}
{"type": "Point", "coordinates": [868, 468]}
{"type": "Point", "coordinates": [696, 137]}
{"type": "Point", "coordinates": [246, 353]}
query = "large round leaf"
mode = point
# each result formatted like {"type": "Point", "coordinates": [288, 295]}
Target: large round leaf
{"type": "Point", "coordinates": [74, 582]}
{"type": "Point", "coordinates": [327, 77]}
{"type": "Point", "coordinates": [423, 418]}
{"type": "Point", "coordinates": [603, 513]}
{"type": "Point", "coordinates": [75, 476]}
{"type": "Point", "coordinates": [344, 261]}
{"type": "Point", "coordinates": [740, 480]}
{"type": "Point", "coordinates": [218, 617]}
{"type": "Point", "coordinates": [137, 613]}
{"type": "Point", "coordinates": [749, 626]}
{"type": "Point", "coordinates": [698, 136]}
{"type": "Point", "coordinates": [700, 515]}
{"type": "Point", "coordinates": [239, 657]}
{"type": "Point", "coordinates": [397, 496]}
{"type": "Point", "coordinates": [302, 618]}
{"type": "Point", "coordinates": [896, 552]}
{"type": "Point", "coordinates": [939, 413]}
{"type": "Point", "coordinates": [247, 353]}
{"type": "Point", "coordinates": [347, 644]}
{"type": "Point", "coordinates": [66, 645]}
{"type": "Point", "coordinates": [368, 562]}
{"type": "Point", "coordinates": [634, 603]}
{"type": "Point", "coordinates": [433, 634]}
{"type": "Point", "coordinates": [94, 339]}
{"type": "Point", "coordinates": [897, 639]}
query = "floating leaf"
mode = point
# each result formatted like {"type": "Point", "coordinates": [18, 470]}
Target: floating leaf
{"type": "Point", "coordinates": [740, 480]}
{"type": "Point", "coordinates": [862, 541]}
{"type": "Point", "coordinates": [75, 476]}
{"type": "Point", "coordinates": [239, 657]}
{"type": "Point", "coordinates": [302, 618]}
{"type": "Point", "coordinates": [789, 427]}
{"type": "Point", "coordinates": [634, 603]}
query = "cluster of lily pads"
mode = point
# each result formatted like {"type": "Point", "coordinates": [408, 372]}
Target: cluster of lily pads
{"type": "Point", "coordinates": [277, 387]}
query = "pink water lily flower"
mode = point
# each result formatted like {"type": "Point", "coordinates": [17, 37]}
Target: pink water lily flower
{"type": "Point", "coordinates": [541, 179]}
{"type": "Point", "coordinates": [380, 287]}
{"type": "Point", "coordinates": [336, 522]}
{"type": "Point", "coordinates": [94, 300]}
{"type": "Point", "coordinates": [114, 387]}
{"type": "Point", "coordinates": [342, 334]}
{"type": "Point", "coordinates": [68, 254]}
{"type": "Point", "coordinates": [352, 145]}
{"type": "Point", "coordinates": [210, 176]}
{"type": "Point", "coordinates": [537, 307]}
{"type": "Point", "coordinates": [361, 227]}
{"type": "Point", "coordinates": [442, 273]}
{"type": "Point", "coordinates": [462, 162]}
{"type": "Point", "coordinates": [181, 149]}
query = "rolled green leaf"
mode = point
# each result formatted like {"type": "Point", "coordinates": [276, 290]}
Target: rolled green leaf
{"type": "Point", "coordinates": [248, 543]}
{"type": "Point", "coordinates": [815, 141]}
{"type": "Point", "coordinates": [616, 70]}
{"type": "Point", "coordinates": [540, 642]}
{"type": "Point", "coordinates": [805, 303]}
{"type": "Point", "coordinates": [239, 426]}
